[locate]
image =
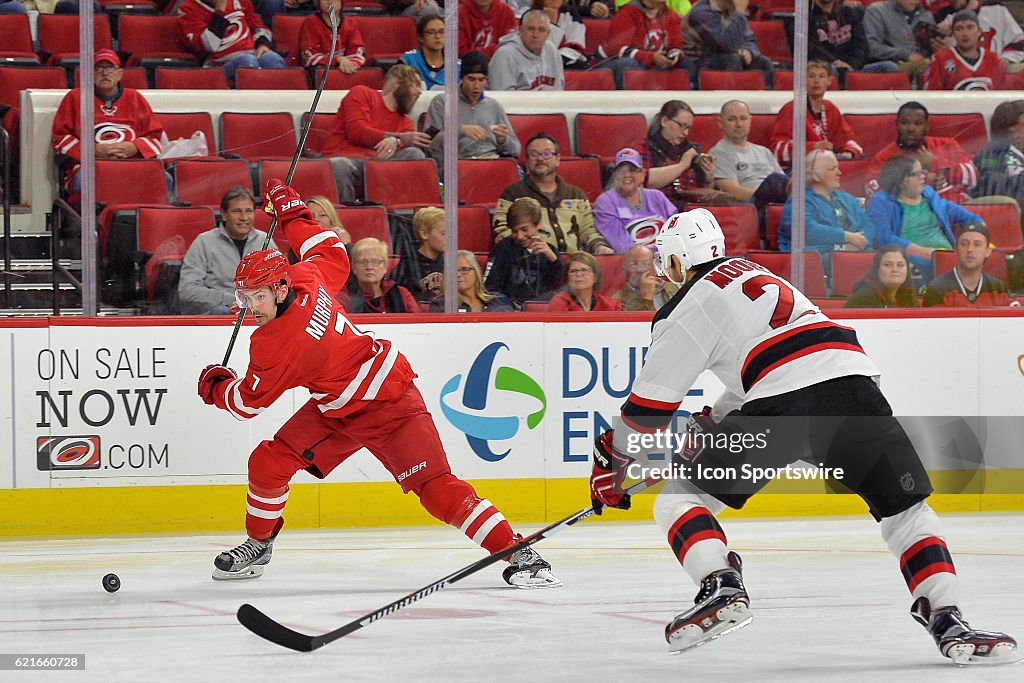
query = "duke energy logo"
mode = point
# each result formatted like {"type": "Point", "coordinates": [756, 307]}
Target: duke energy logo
{"type": "Point", "coordinates": [471, 416]}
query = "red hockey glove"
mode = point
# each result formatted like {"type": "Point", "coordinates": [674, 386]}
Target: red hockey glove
{"type": "Point", "coordinates": [607, 475]}
{"type": "Point", "coordinates": [284, 201]}
{"type": "Point", "coordinates": [698, 425]}
{"type": "Point", "coordinates": [210, 377]}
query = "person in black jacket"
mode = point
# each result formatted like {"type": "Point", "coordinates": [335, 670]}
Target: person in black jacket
{"type": "Point", "coordinates": [524, 267]}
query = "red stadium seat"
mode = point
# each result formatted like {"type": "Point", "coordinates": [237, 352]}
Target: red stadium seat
{"type": "Point", "coordinates": [847, 268]}
{"type": "Point", "coordinates": [526, 125]}
{"type": "Point", "coordinates": [14, 79]}
{"type": "Point", "coordinates": [151, 41]}
{"type": "Point", "coordinates": [779, 263]}
{"type": "Point", "coordinates": [475, 232]}
{"type": "Point", "coordinates": [158, 226]}
{"type": "Point", "coordinates": [312, 176]}
{"type": "Point", "coordinates": [289, 78]}
{"type": "Point", "coordinates": [967, 128]}
{"type": "Point", "coordinates": [591, 79]}
{"type": "Point", "coordinates": [873, 131]}
{"type": "Point", "coordinates": [1003, 223]}
{"type": "Point", "coordinates": [365, 221]}
{"type": "Point", "coordinates": [371, 77]}
{"type": "Point", "coordinates": [860, 80]}
{"type": "Point", "coordinates": [995, 265]}
{"type": "Point", "coordinates": [613, 272]}
{"type": "Point", "coordinates": [767, 8]}
{"type": "Point", "coordinates": [597, 33]}
{"type": "Point", "coordinates": [184, 124]}
{"type": "Point", "coordinates": [202, 182]}
{"type": "Point", "coordinates": [252, 136]}
{"type": "Point", "coordinates": [584, 174]}
{"type": "Point", "coordinates": [58, 37]}
{"type": "Point", "coordinates": [387, 37]}
{"type": "Point", "coordinates": [286, 37]}
{"type": "Point", "coordinates": [318, 131]}
{"type": "Point", "coordinates": [482, 180]}
{"type": "Point", "coordinates": [656, 79]}
{"type": "Point", "coordinates": [731, 80]}
{"type": "Point", "coordinates": [772, 41]}
{"type": "Point", "coordinates": [16, 41]}
{"type": "Point", "coordinates": [739, 223]}
{"type": "Point", "coordinates": [854, 176]}
{"type": "Point", "coordinates": [401, 184]}
{"type": "Point", "coordinates": [191, 79]}
{"type": "Point", "coordinates": [772, 218]}
{"type": "Point", "coordinates": [148, 186]}
{"type": "Point", "coordinates": [707, 132]}
{"type": "Point", "coordinates": [602, 135]}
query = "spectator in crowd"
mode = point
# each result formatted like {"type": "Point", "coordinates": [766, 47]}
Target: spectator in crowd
{"type": "Point", "coordinates": [417, 9]}
{"type": "Point", "coordinates": [422, 271]}
{"type": "Point", "coordinates": [371, 293]}
{"type": "Point", "coordinates": [526, 60]}
{"type": "Point", "coordinates": [374, 125]}
{"type": "Point", "coordinates": [724, 39]}
{"type": "Point", "coordinates": [629, 213]}
{"type": "Point", "coordinates": [908, 212]}
{"type": "Point", "coordinates": [484, 128]}
{"type": "Point", "coordinates": [966, 284]}
{"type": "Point", "coordinates": [207, 282]}
{"type": "Point", "coordinates": [643, 289]}
{"type": "Point", "coordinates": [315, 39]}
{"type": "Point", "coordinates": [124, 126]}
{"type": "Point", "coordinates": [747, 171]}
{"type": "Point", "coordinates": [836, 35]}
{"type": "Point", "coordinates": [833, 219]}
{"type": "Point", "coordinates": [525, 266]}
{"type": "Point", "coordinates": [12, 7]}
{"type": "Point", "coordinates": [293, 8]}
{"type": "Point", "coordinates": [890, 27]}
{"type": "Point", "coordinates": [1000, 32]}
{"type": "Point", "coordinates": [324, 213]}
{"type": "Point", "coordinates": [568, 34]}
{"type": "Point", "coordinates": [428, 58]}
{"type": "Point", "coordinates": [644, 34]}
{"type": "Point", "coordinates": [567, 222]}
{"type": "Point", "coordinates": [601, 9]}
{"type": "Point", "coordinates": [583, 287]}
{"type": "Point", "coordinates": [674, 164]}
{"type": "Point", "coordinates": [482, 23]}
{"type": "Point", "coordinates": [826, 127]}
{"type": "Point", "coordinates": [966, 65]}
{"type": "Point", "coordinates": [227, 33]}
{"type": "Point", "coordinates": [473, 295]}
{"type": "Point", "coordinates": [1000, 163]}
{"type": "Point", "coordinates": [888, 284]}
{"type": "Point", "coordinates": [950, 169]}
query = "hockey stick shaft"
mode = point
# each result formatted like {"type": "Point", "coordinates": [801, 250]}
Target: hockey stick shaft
{"type": "Point", "coordinates": [291, 169]}
{"type": "Point", "coordinates": [268, 629]}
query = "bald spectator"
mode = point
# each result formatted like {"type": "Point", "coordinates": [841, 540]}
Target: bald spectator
{"type": "Point", "coordinates": [643, 289]}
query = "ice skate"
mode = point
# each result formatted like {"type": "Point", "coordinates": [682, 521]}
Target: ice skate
{"type": "Point", "coordinates": [721, 607]}
{"type": "Point", "coordinates": [958, 641]}
{"type": "Point", "coordinates": [527, 569]}
{"type": "Point", "coordinates": [247, 560]}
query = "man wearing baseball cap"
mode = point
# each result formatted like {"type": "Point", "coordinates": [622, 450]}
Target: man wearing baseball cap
{"type": "Point", "coordinates": [125, 126]}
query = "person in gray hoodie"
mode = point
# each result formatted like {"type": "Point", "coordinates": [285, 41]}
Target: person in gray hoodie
{"type": "Point", "coordinates": [889, 27]}
{"type": "Point", "coordinates": [527, 60]}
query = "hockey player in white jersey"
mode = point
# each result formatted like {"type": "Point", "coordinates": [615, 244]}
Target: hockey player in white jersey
{"type": "Point", "coordinates": [780, 359]}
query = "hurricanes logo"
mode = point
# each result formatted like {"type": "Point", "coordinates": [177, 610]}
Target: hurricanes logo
{"type": "Point", "coordinates": [484, 382]}
{"type": "Point", "coordinates": [67, 453]}
{"type": "Point", "coordinates": [644, 230]}
{"type": "Point", "coordinates": [114, 132]}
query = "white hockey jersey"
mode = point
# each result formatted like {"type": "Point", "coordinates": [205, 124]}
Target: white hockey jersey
{"type": "Point", "coordinates": [755, 331]}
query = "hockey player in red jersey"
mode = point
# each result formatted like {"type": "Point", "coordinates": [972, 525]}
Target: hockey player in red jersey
{"type": "Point", "coordinates": [362, 396]}
{"type": "Point", "coordinates": [778, 355]}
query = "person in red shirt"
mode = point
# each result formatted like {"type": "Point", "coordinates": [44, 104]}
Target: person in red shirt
{"type": "Point", "coordinates": [482, 23]}
{"type": "Point", "coordinates": [950, 169]}
{"type": "Point", "coordinates": [826, 128]}
{"type": "Point", "coordinates": [373, 124]}
{"type": "Point", "coordinates": [227, 33]}
{"type": "Point", "coordinates": [966, 284]}
{"type": "Point", "coordinates": [644, 34]}
{"type": "Point", "coordinates": [583, 287]}
{"type": "Point", "coordinates": [315, 39]}
{"type": "Point", "coordinates": [966, 65]}
{"type": "Point", "coordinates": [362, 395]}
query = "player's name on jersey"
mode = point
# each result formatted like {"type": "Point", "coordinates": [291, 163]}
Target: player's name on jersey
{"type": "Point", "coordinates": [746, 472]}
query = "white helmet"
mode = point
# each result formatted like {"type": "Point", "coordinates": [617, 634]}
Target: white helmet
{"type": "Point", "coordinates": [693, 236]}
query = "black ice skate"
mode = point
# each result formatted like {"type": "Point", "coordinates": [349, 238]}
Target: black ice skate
{"type": "Point", "coordinates": [958, 641]}
{"type": "Point", "coordinates": [721, 607]}
{"type": "Point", "coordinates": [247, 560]}
{"type": "Point", "coordinates": [527, 569]}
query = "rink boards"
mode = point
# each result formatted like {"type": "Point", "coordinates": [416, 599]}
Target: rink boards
{"type": "Point", "coordinates": [103, 430]}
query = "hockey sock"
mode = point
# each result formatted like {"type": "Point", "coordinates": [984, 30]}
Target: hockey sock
{"type": "Point", "coordinates": [694, 534]}
{"type": "Point", "coordinates": [263, 510]}
{"type": "Point", "coordinates": [454, 502]}
{"type": "Point", "coordinates": [915, 537]}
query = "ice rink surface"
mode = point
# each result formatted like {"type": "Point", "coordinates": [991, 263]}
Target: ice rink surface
{"type": "Point", "coordinates": [829, 605]}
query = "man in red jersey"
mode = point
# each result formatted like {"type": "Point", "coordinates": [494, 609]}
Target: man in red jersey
{"type": "Point", "coordinates": [362, 396]}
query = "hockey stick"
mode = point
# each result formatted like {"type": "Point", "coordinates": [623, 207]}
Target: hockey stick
{"type": "Point", "coordinates": [295, 162]}
{"type": "Point", "coordinates": [268, 629]}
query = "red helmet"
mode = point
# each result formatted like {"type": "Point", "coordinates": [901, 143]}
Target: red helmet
{"type": "Point", "coordinates": [264, 268]}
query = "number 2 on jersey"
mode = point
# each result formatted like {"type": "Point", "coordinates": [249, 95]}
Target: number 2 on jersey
{"type": "Point", "coordinates": [755, 288]}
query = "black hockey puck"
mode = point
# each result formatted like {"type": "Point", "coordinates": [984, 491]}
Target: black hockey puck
{"type": "Point", "coordinates": [111, 583]}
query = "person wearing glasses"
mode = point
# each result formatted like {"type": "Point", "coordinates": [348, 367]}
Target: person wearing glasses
{"type": "Point", "coordinates": [643, 289]}
{"type": "Point", "coordinates": [583, 287]}
{"type": "Point", "coordinates": [315, 40]}
{"type": "Point", "coordinates": [908, 212]}
{"type": "Point", "coordinates": [473, 295]}
{"type": "Point", "coordinates": [674, 164]}
{"type": "Point", "coordinates": [371, 293]}
{"type": "Point", "coordinates": [428, 58]}
{"type": "Point", "coordinates": [125, 126]}
{"type": "Point", "coordinates": [630, 213]}
{"type": "Point", "coordinates": [567, 220]}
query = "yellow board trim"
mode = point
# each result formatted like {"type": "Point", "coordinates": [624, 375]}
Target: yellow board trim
{"type": "Point", "coordinates": [187, 509]}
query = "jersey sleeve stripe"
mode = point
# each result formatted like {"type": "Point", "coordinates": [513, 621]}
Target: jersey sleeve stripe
{"type": "Point", "coordinates": [646, 414]}
{"type": "Point", "coordinates": [653, 404]}
{"type": "Point", "coordinates": [316, 239]}
{"type": "Point", "coordinates": [235, 405]}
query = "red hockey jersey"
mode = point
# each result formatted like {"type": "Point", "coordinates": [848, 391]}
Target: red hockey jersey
{"type": "Point", "coordinates": [950, 71]}
{"type": "Point", "coordinates": [217, 34]}
{"type": "Point", "coordinates": [829, 126]}
{"type": "Point", "coordinates": [362, 121]}
{"type": "Point", "coordinates": [315, 41]}
{"type": "Point", "coordinates": [312, 344]}
{"type": "Point", "coordinates": [633, 34]}
{"type": "Point", "coordinates": [127, 118]}
{"type": "Point", "coordinates": [949, 160]}
{"type": "Point", "coordinates": [479, 31]}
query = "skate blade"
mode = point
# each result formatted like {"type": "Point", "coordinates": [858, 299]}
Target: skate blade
{"type": "Point", "coordinates": [966, 654]}
{"type": "Point", "coordinates": [730, 618]}
{"type": "Point", "coordinates": [251, 572]}
{"type": "Point", "coordinates": [530, 581]}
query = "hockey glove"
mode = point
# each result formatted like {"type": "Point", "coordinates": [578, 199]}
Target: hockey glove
{"type": "Point", "coordinates": [210, 377]}
{"type": "Point", "coordinates": [607, 475]}
{"type": "Point", "coordinates": [284, 201]}
{"type": "Point", "coordinates": [698, 426]}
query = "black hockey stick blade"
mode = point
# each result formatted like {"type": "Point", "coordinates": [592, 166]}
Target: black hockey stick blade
{"type": "Point", "coordinates": [268, 629]}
